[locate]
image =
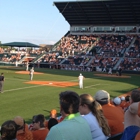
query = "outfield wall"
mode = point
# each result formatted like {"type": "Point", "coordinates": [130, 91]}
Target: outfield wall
{"type": "Point", "coordinates": [51, 66]}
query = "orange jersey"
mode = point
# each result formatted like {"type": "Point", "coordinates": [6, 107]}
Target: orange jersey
{"type": "Point", "coordinates": [40, 134]}
{"type": "Point", "coordinates": [25, 135]}
{"type": "Point", "coordinates": [137, 136]}
{"type": "Point", "coordinates": [124, 104]}
{"type": "Point", "coordinates": [115, 118]}
{"type": "Point", "coordinates": [120, 109]}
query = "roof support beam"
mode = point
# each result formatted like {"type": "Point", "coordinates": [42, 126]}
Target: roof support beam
{"type": "Point", "coordinates": [84, 13]}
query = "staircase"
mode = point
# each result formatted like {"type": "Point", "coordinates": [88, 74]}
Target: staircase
{"type": "Point", "coordinates": [62, 61]}
{"type": "Point", "coordinates": [129, 46]}
{"type": "Point", "coordinates": [38, 57]}
{"type": "Point", "coordinates": [118, 63]}
{"type": "Point", "coordinates": [90, 61]}
{"type": "Point", "coordinates": [121, 58]}
{"type": "Point", "coordinates": [20, 61]}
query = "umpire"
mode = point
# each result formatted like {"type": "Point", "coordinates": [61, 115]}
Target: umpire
{"type": "Point", "coordinates": [1, 82]}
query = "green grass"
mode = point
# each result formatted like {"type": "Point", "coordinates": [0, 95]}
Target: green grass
{"type": "Point", "coordinates": [29, 100]}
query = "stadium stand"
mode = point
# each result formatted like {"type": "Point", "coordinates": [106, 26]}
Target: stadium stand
{"type": "Point", "coordinates": [109, 38]}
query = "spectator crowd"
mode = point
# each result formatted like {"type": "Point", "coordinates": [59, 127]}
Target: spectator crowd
{"type": "Point", "coordinates": [83, 117]}
{"type": "Point", "coordinates": [83, 52]}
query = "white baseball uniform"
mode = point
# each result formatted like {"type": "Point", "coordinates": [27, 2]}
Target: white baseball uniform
{"type": "Point", "coordinates": [81, 78]}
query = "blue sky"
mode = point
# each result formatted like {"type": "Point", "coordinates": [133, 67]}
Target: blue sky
{"type": "Point", "coordinates": [34, 21]}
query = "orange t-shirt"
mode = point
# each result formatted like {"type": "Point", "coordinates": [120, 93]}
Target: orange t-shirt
{"type": "Point", "coordinates": [40, 134]}
{"type": "Point", "coordinates": [124, 104]}
{"type": "Point", "coordinates": [137, 136]}
{"type": "Point", "coordinates": [120, 109]}
{"type": "Point", "coordinates": [26, 135]}
{"type": "Point", "coordinates": [46, 123]}
{"type": "Point", "coordinates": [115, 118]}
{"type": "Point", "coordinates": [127, 104]}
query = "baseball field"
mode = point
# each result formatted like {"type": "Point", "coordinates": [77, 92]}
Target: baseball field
{"type": "Point", "coordinates": [22, 97]}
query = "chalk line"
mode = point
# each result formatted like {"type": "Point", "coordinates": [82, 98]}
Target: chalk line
{"type": "Point", "coordinates": [25, 88]}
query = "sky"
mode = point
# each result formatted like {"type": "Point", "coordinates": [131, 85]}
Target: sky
{"type": "Point", "coordinates": [34, 21]}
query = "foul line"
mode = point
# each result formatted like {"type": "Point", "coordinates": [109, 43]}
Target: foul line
{"type": "Point", "coordinates": [25, 88]}
{"type": "Point", "coordinates": [92, 85]}
{"type": "Point", "coordinates": [16, 79]}
{"type": "Point", "coordinates": [95, 85]}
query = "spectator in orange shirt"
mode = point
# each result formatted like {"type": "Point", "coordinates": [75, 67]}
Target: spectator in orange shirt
{"type": "Point", "coordinates": [114, 116]}
{"type": "Point", "coordinates": [40, 132]}
{"type": "Point", "coordinates": [125, 103]}
{"type": "Point", "coordinates": [23, 133]}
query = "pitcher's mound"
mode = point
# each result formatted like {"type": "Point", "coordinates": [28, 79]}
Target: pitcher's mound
{"type": "Point", "coordinates": [113, 75]}
{"type": "Point", "coordinates": [27, 72]}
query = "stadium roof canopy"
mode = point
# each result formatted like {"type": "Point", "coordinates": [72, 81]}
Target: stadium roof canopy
{"type": "Point", "coordinates": [101, 12]}
{"type": "Point", "coordinates": [20, 44]}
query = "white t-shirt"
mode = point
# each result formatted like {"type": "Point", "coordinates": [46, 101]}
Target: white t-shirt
{"type": "Point", "coordinates": [96, 130]}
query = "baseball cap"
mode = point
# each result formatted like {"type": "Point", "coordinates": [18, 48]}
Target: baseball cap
{"type": "Point", "coordinates": [122, 98]}
{"type": "Point", "coordinates": [117, 100]}
{"type": "Point", "coordinates": [102, 95]}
